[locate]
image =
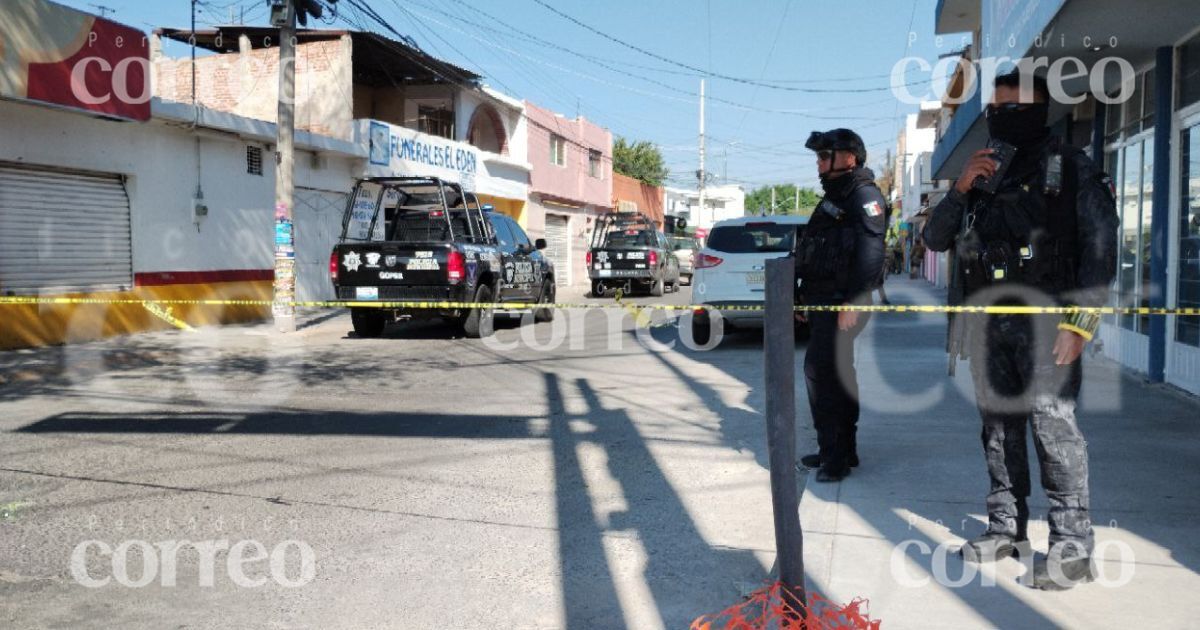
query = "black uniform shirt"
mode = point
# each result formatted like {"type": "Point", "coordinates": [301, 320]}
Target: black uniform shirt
{"type": "Point", "coordinates": [853, 224]}
{"type": "Point", "coordinates": [1096, 226]}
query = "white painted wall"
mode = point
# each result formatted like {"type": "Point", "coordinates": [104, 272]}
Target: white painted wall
{"type": "Point", "coordinates": [159, 159]}
{"type": "Point", "coordinates": [686, 202]}
{"type": "Point", "coordinates": [916, 161]}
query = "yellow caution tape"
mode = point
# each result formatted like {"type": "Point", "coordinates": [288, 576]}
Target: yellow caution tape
{"type": "Point", "coordinates": [450, 305]}
{"type": "Point", "coordinates": [165, 314]}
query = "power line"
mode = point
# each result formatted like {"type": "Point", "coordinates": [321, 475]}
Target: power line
{"type": "Point", "coordinates": [685, 95]}
{"type": "Point", "coordinates": [362, 6]}
{"type": "Point", "coordinates": [766, 62]}
{"type": "Point", "coordinates": [743, 80]}
{"type": "Point", "coordinates": [519, 57]}
{"type": "Point", "coordinates": [418, 24]}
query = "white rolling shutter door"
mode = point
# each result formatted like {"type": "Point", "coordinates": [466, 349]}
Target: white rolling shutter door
{"type": "Point", "coordinates": [558, 249]}
{"type": "Point", "coordinates": [63, 231]}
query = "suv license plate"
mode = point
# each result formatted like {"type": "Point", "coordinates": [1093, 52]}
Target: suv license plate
{"type": "Point", "coordinates": [366, 293]}
{"type": "Point", "coordinates": [756, 277]}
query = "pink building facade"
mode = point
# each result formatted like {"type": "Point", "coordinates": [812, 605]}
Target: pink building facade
{"type": "Point", "coordinates": [569, 186]}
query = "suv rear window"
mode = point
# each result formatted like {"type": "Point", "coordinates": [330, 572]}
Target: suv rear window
{"type": "Point", "coordinates": [753, 237]}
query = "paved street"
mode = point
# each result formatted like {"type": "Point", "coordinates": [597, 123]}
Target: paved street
{"type": "Point", "coordinates": [441, 482]}
{"type": "Point", "coordinates": [449, 483]}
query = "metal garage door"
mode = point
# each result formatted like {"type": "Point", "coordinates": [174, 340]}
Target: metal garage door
{"type": "Point", "coordinates": [558, 250]}
{"type": "Point", "coordinates": [63, 231]}
{"type": "Point", "coordinates": [318, 219]}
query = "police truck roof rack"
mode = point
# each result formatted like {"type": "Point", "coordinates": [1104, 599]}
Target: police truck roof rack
{"type": "Point", "coordinates": [477, 231]}
{"type": "Point", "coordinates": [614, 221]}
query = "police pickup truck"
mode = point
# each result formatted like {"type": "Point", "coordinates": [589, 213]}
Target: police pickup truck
{"type": "Point", "coordinates": [628, 250]}
{"type": "Point", "coordinates": [418, 239]}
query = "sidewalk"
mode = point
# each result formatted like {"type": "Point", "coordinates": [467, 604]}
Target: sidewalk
{"type": "Point", "coordinates": [889, 533]}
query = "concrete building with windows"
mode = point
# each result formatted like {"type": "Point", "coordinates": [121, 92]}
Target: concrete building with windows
{"type": "Point", "coordinates": [720, 203]}
{"type": "Point", "coordinates": [916, 190]}
{"type": "Point", "coordinates": [1145, 130]}
{"type": "Point", "coordinates": [570, 185]}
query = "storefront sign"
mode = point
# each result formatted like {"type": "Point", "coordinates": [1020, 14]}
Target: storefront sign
{"type": "Point", "coordinates": [408, 152]}
{"type": "Point", "coordinates": [57, 55]}
{"type": "Point", "coordinates": [398, 151]}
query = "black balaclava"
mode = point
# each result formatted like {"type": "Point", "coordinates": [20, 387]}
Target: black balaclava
{"type": "Point", "coordinates": [840, 184]}
{"type": "Point", "coordinates": [1024, 129]}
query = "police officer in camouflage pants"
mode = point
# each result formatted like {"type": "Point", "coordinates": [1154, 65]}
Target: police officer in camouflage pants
{"type": "Point", "coordinates": [1046, 236]}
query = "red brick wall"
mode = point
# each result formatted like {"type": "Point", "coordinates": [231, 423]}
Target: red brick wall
{"type": "Point", "coordinates": [649, 199]}
{"type": "Point", "coordinates": [247, 84]}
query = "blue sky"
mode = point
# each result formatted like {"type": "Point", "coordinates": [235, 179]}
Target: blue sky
{"type": "Point", "coordinates": [844, 45]}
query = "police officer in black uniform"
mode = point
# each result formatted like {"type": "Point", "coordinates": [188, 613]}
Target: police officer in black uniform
{"type": "Point", "coordinates": [839, 261]}
{"type": "Point", "coordinates": [1046, 235]}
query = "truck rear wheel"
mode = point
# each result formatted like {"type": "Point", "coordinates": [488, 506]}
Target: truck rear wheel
{"type": "Point", "coordinates": [658, 287]}
{"type": "Point", "coordinates": [478, 321]}
{"type": "Point", "coordinates": [368, 322]}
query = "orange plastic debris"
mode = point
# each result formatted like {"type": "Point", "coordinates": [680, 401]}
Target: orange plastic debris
{"type": "Point", "coordinates": [774, 607]}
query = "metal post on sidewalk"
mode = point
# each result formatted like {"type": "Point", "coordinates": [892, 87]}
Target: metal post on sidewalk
{"type": "Point", "coordinates": [779, 368]}
{"type": "Point", "coordinates": [283, 309]}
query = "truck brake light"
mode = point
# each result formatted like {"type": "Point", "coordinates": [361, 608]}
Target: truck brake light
{"type": "Point", "coordinates": [455, 266]}
{"type": "Point", "coordinates": [653, 259]}
{"type": "Point", "coordinates": [333, 265]}
{"type": "Point", "coordinates": [589, 259]}
{"type": "Point", "coordinates": [705, 261]}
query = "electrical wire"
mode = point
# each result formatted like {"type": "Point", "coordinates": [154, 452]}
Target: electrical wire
{"type": "Point", "coordinates": [735, 79]}
{"type": "Point", "coordinates": [684, 95]}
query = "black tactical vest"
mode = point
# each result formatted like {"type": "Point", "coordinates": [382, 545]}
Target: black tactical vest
{"type": "Point", "coordinates": [1024, 234]}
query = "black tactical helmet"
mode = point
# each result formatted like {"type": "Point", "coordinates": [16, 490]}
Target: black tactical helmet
{"type": "Point", "coordinates": [838, 140]}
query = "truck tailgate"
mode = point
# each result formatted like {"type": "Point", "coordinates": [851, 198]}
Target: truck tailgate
{"type": "Point", "coordinates": [620, 263]}
{"type": "Point", "coordinates": [368, 267]}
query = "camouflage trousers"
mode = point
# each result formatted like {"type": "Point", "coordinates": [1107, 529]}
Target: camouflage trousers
{"type": "Point", "coordinates": [1016, 384]}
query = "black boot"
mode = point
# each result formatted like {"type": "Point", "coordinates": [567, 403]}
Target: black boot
{"type": "Point", "coordinates": [831, 473]}
{"type": "Point", "coordinates": [993, 546]}
{"type": "Point", "coordinates": [1051, 574]}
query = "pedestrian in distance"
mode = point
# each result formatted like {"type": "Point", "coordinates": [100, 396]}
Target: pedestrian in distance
{"type": "Point", "coordinates": [887, 266]}
{"type": "Point", "coordinates": [1031, 222]}
{"type": "Point", "coordinates": [839, 261]}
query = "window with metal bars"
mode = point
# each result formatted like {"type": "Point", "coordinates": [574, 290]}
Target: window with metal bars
{"type": "Point", "coordinates": [254, 160]}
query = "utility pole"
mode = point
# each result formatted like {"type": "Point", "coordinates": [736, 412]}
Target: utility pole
{"type": "Point", "coordinates": [104, 11]}
{"type": "Point", "coordinates": [772, 199]}
{"type": "Point", "coordinates": [283, 308]}
{"type": "Point", "coordinates": [702, 174]}
{"type": "Point", "coordinates": [797, 197]}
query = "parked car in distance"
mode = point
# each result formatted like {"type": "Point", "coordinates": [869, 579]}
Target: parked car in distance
{"type": "Point", "coordinates": [685, 248]}
{"type": "Point", "coordinates": [730, 270]}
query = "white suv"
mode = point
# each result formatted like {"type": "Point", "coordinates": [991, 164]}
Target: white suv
{"type": "Point", "coordinates": [730, 269]}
